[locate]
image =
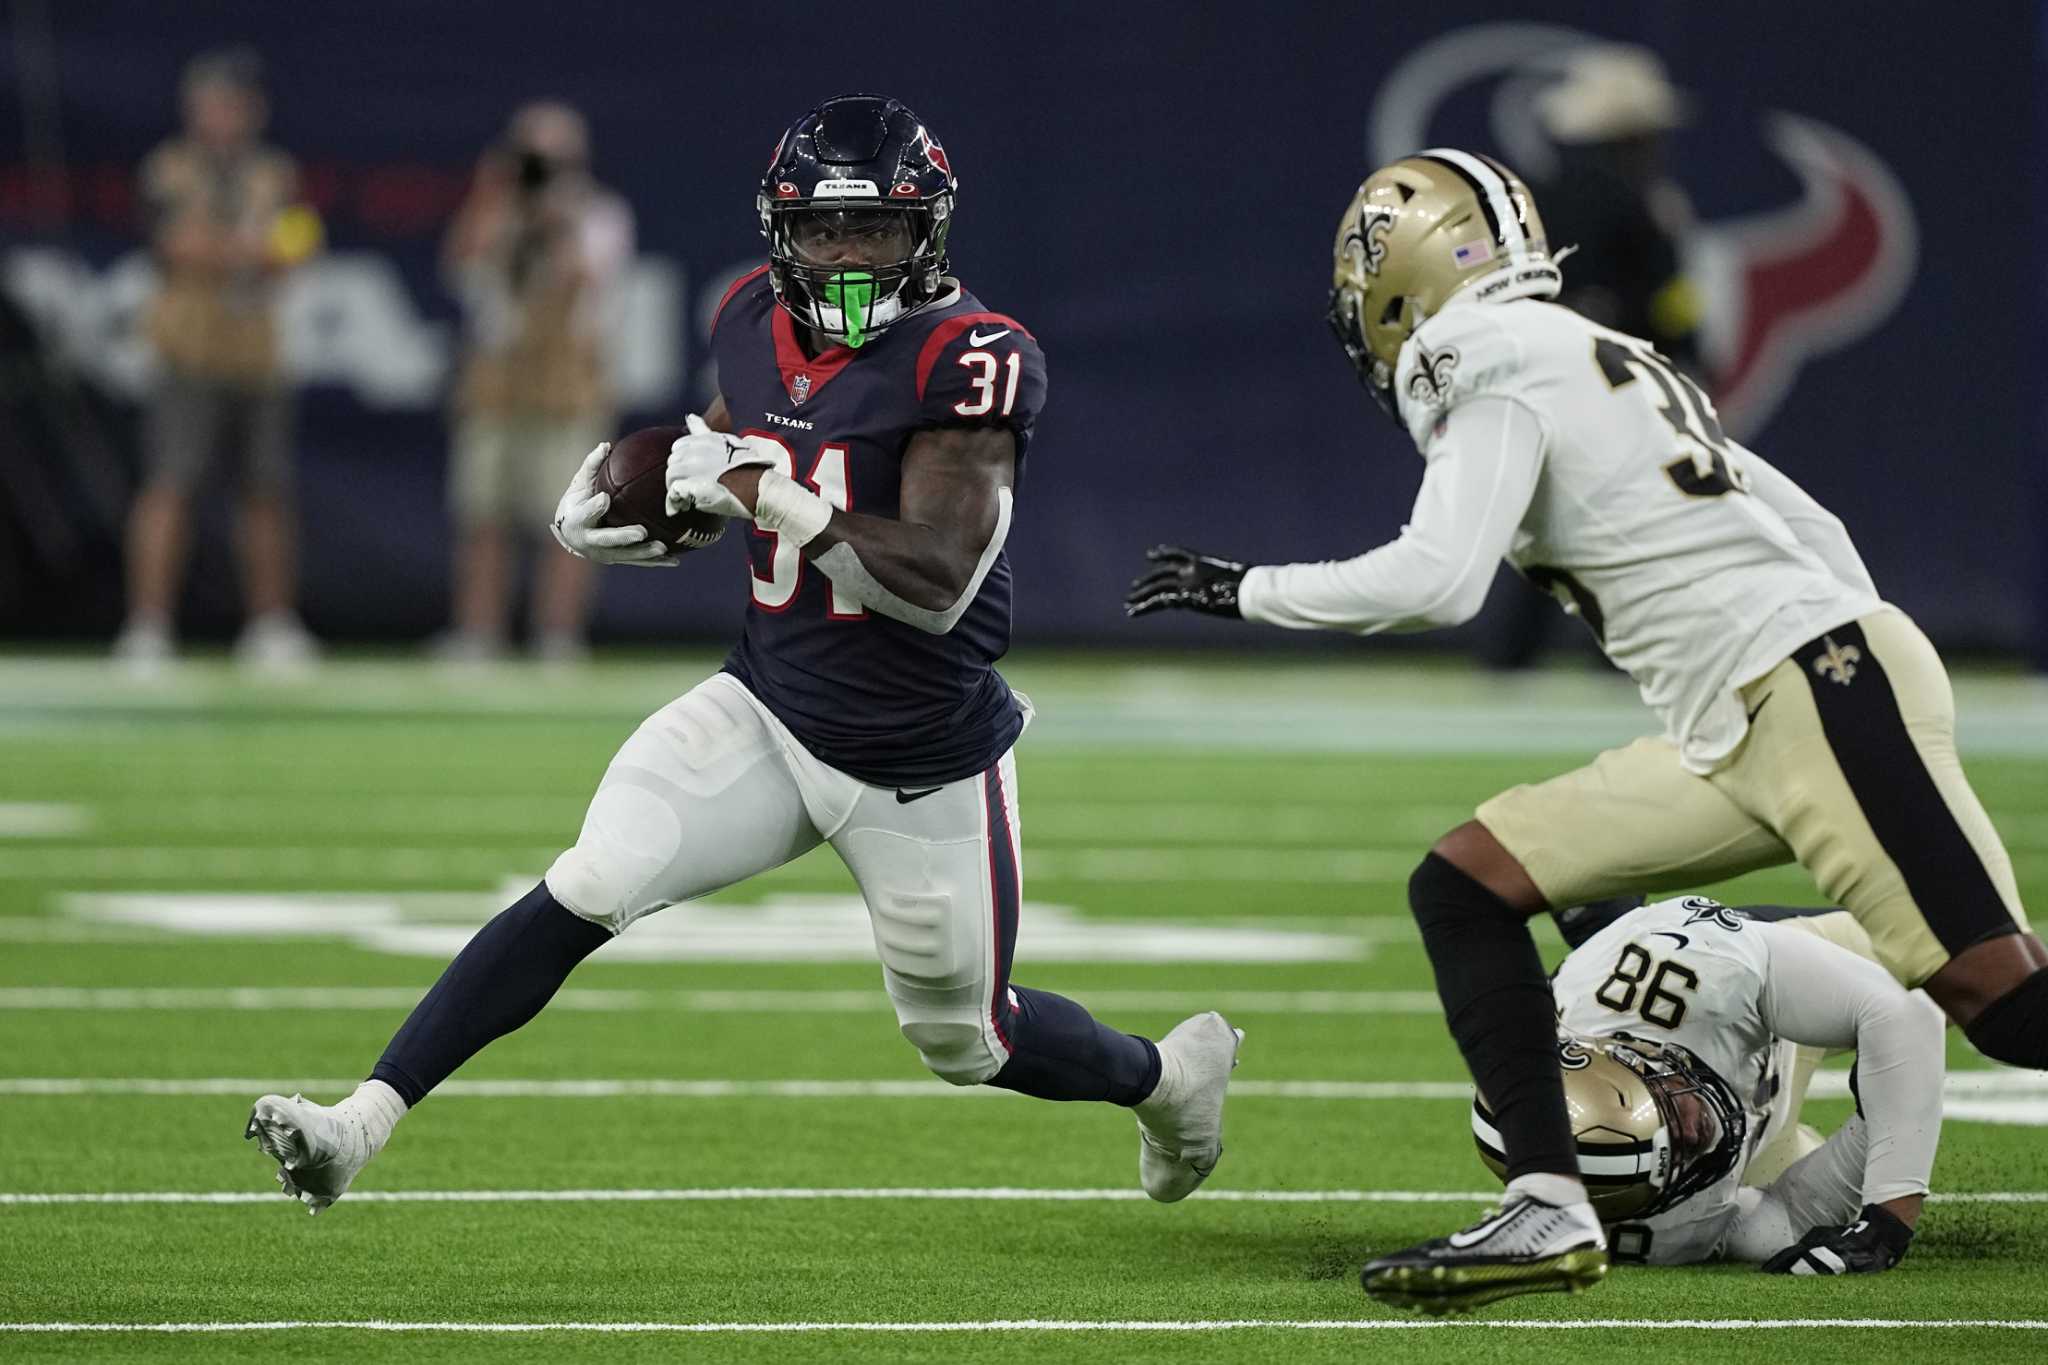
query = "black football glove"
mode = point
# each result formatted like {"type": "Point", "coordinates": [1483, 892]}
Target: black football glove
{"type": "Point", "coordinates": [1187, 579]}
{"type": "Point", "coordinates": [1875, 1241]}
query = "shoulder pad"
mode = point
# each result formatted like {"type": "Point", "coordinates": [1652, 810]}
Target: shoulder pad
{"type": "Point", "coordinates": [1460, 352]}
{"type": "Point", "coordinates": [980, 368]}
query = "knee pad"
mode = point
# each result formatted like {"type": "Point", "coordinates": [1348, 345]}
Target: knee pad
{"type": "Point", "coordinates": [630, 837]}
{"type": "Point", "coordinates": [954, 1049]}
{"type": "Point", "coordinates": [2014, 1028]}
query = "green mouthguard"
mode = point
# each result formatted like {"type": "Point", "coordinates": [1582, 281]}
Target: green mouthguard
{"type": "Point", "coordinates": [852, 292]}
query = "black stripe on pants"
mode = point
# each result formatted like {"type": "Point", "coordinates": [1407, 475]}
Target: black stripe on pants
{"type": "Point", "coordinates": [1859, 714]}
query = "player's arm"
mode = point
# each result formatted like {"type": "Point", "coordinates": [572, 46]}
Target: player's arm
{"type": "Point", "coordinates": [924, 566]}
{"type": "Point", "coordinates": [1818, 529]}
{"type": "Point", "coordinates": [1481, 475]}
{"type": "Point", "coordinates": [1821, 995]}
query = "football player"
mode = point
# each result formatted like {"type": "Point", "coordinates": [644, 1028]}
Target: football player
{"type": "Point", "coordinates": [1689, 1033]}
{"type": "Point", "coordinates": [1804, 718]}
{"type": "Point", "coordinates": [871, 427]}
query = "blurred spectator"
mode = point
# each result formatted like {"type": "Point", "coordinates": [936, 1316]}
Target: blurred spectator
{"type": "Point", "coordinates": [537, 254]}
{"type": "Point", "coordinates": [1610, 118]}
{"type": "Point", "coordinates": [225, 230]}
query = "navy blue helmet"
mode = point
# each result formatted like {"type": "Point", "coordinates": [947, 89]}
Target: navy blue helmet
{"type": "Point", "coordinates": [856, 204]}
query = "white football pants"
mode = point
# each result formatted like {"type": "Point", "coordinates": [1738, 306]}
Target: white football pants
{"type": "Point", "coordinates": [712, 789]}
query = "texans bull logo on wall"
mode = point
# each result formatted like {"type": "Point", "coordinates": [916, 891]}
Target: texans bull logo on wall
{"type": "Point", "coordinates": [1781, 286]}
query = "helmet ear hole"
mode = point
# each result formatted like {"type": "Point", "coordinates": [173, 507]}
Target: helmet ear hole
{"type": "Point", "coordinates": [1391, 314]}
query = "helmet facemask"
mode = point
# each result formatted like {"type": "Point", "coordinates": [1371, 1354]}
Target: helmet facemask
{"type": "Point", "coordinates": [1345, 316]}
{"type": "Point", "coordinates": [849, 270]}
{"type": "Point", "coordinates": [1652, 1124]}
{"type": "Point", "coordinates": [1703, 1126]}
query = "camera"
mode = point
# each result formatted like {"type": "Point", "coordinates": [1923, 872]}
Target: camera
{"type": "Point", "coordinates": [534, 170]}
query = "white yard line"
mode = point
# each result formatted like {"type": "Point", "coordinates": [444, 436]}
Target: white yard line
{"type": "Point", "coordinates": [607, 999]}
{"type": "Point", "coordinates": [1053, 1325]}
{"type": "Point", "coordinates": [748, 1193]}
{"type": "Point", "coordinates": [42, 820]}
{"type": "Point", "coordinates": [1981, 1085]}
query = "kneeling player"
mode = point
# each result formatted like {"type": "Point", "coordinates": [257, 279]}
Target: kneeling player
{"type": "Point", "coordinates": [1691, 1031]}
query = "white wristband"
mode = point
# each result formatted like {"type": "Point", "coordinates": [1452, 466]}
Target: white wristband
{"type": "Point", "coordinates": [789, 509]}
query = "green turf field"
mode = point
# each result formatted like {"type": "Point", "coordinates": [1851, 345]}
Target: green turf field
{"type": "Point", "coordinates": [212, 888]}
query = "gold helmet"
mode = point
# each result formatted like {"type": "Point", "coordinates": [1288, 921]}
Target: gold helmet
{"type": "Point", "coordinates": [1654, 1125]}
{"type": "Point", "coordinates": [1419, 231]}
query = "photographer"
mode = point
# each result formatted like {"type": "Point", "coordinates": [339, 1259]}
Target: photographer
{"type": "Point", "coordinates": [537, 254]}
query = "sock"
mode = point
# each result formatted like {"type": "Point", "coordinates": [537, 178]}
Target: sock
{"type": "Point", "coordinates": [2014, 1028]}
{"type": "Point", "coordinates": [376, 1109]}
{"type": "Point", "coordinates": [1498, 1005]}
{"type": "Point", "coordinates": [513, 966]}
{"type": "Point", "coordinates": [1561, 1190]}
{"type": "Point", "coordinates": [1058, 1051]}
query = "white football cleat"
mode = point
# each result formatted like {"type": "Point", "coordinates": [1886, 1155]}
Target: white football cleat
{"type": "Point", "coordinates": [1180, 1127]}
{"type": "Point", "coordinates": [318, 1149]}
{"type": "Point", "coordinates": [1525, 1246]}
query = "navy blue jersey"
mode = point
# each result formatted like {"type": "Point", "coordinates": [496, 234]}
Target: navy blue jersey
{"type": "Point", "coordinates": [889, 703]}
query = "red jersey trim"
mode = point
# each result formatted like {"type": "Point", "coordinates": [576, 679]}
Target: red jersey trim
{"type": "Point", "coordinates": [942, 336]}
{"type": "Point", "coordinates": [791, 360]}
{"type": "Point", "coordinates": [741, 283]}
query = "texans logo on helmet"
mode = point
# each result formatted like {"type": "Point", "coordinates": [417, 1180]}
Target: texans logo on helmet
{"type": "Point", "coordinates": [933, 152]}
{"type": "Point", "coordinates": [1786, 285]}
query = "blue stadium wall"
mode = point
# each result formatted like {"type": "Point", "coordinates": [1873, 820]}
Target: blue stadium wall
{"type": "Point", "coordinates": [1153, 191]}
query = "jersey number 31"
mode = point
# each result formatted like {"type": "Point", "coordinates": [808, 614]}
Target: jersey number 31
{"type": "Point", "coordinates": [828, 477]}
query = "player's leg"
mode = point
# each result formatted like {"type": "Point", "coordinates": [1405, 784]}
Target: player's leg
{"type": "Point", "coordinates": [267, 533]}
{"type": "Point", "coordinates": [562, 583]}
{"type": "Point", "coordinates": [942, 875]}
{"type": "Point", "coordinates": [182, 428]}
{"type": "Point", "coordinates": [478, 491]}
{"type": "Point", "coordinates": [1633, 819]}
{"type": "Point", "coordinates": [698, 798]}
{"type": "Point", "coordinates": [1854, 764]}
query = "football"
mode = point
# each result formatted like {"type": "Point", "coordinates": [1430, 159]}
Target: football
{"type": "Point", "coordinates": [635, 472]}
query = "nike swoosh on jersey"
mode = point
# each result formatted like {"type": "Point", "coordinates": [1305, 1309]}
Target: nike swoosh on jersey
{"type": "Point", "coordinates": [977, 339]}
{"type": "Point", "coordinates": [904, 798]}
{"type": "Point", "coordinates": [1760, 706]}
{"type": "Point", "coordinates": [1683, 941]}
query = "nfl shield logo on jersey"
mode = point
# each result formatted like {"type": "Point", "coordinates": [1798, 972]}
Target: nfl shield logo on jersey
{"type": "Point", "coordinates": [800, 389]}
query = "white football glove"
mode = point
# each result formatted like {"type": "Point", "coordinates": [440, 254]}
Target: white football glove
{"type": "Point", "coordinates": [578, 523]}
{"type": "Point", "coordinates": [695, 461]}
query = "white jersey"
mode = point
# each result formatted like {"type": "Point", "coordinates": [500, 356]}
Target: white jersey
{"type": "Point", "coordinates": [1604, 477]}
{"type": "Point", "coordinates": [1693, 972]}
